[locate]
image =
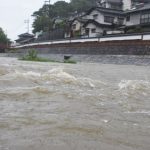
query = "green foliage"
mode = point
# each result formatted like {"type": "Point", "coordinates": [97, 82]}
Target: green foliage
{"type": "Point", "coordinates": [33, 56]}
{"type": "Point", "coordinates": [82, 5]}
{"type": "Point", "coordinates": [60, 24]}
{"type": "Point", "coordinates": [3, 37]}
{"type": "Point", "coordinates": [137, 29]}
{"type": "Point", "coordinates": [42, 23]}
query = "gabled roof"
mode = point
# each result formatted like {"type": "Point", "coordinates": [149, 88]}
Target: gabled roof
{"type": "Point", "coordinates": [96, 23]}
{"type": "Point", "coordinates": [105, 10]}
{"type": "Point", "coordinates": [141, 1]}
{"type": "Point", "coordinates": [80, 20]}
{"type": "Point", "coordinates": [115, 1]}
{"type": "Point", "coordinates": [26, 35]}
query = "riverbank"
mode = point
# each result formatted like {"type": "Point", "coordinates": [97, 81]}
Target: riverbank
{"type": "Point", "coordinates": [104, 59]}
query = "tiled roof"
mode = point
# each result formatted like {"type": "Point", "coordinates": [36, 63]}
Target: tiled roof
{"type": "Point", "coordinates": [106, 10]}
{"type": "Point", "coordinates": [96, 23]}
{"type": "Point", "coordinates": [26, 35]}
{"type": "Point", "coordinates": [115, 1]}
{"type": "Point", "coordinates": [80, 20]}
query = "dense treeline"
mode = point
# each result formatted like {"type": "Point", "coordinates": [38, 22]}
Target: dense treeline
{"type": "Point", "coordinates": [44, 16]}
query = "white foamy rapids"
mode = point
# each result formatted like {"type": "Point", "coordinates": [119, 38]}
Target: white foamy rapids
{"type": "Point", "coordinates": [58, 75]}
{"type": "Point", "coordinates": [29, 74]}
{"type": "Point", "coordinates": [134, 85]}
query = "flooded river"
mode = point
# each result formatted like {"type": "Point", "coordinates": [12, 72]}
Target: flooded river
{"type": "Point", "coordinates": [84, 106]}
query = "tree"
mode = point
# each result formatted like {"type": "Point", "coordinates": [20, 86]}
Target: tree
{"type": "Point", "coordinates": [82, 5]}
{"type": "Point", "coordinates": [61, 9]}
{"type": "Point", "coordinates": [42, 21]}
{"type": "Point", "coordinates": [45, 16]}
{"type": "Point", "coordinates": [3, 37]}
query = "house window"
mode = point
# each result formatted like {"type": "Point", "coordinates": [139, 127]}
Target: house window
{"type": "Point", "coordinates": [87, 31]}
{"type": "Point", "coordinates": [74, 26]}
{"type": "Point", "coordinates": [145, 18]}
{"type": "Point", "coordinates": [95, 16]}
{"type": "Point", "coordinates": [128, 18]}
{"type": "Point", "coordinates": [108, 19]}
{"type": "Point", "coordinates": [93, 30]}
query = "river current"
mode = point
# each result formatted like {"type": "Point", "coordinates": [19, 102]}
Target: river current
{"type": "Point", "coordinates": [84, 106]}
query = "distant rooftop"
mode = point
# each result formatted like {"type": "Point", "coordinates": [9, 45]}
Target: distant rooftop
{"type": "Point", "coordinates": [142, 8]}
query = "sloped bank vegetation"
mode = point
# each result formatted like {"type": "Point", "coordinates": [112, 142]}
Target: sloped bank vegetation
{"type": "Point", "coordinates": [33, 56]}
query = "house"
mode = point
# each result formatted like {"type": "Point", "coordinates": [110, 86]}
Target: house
{"type": "Point", "coordinates": [138, 18]}
{"type": "Point", "coordinates": [116, 4]}
{"type": "Point", "coordinates": [25, 38]}
{"type": "Point", "coordinates": [93, 28]}
{"type": "Point", "coordinates": [102, 20]}
{"type": "Point", "coordinates": [77, 26]}
{"type": "Point", "coordinates": [97, 21]}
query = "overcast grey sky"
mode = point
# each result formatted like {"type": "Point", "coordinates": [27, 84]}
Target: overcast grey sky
{"type": "Point", "coordinates": [14, 12]}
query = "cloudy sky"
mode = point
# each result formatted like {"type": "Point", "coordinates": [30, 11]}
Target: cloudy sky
{"type": "Point", "coordinates": [13, 14]}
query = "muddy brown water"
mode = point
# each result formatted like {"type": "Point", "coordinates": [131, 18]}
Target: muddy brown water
{"type": "Point", "coordinates": [84, 106]}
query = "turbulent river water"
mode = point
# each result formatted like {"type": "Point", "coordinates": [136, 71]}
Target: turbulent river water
{"type": "Point", "coordinates": [84, 106]}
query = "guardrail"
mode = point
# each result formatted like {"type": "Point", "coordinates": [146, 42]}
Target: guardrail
{"type": "Point", "coordinates": [121, 37]}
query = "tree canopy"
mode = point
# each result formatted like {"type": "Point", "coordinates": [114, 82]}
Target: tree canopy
{"type": "Point", "coordinates": [44, 16]}
{"type": "Point", "coordinates": [3, 37]}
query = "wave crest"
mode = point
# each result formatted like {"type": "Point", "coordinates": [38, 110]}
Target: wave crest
{"type": "Point", "coordinates": [134, 85]}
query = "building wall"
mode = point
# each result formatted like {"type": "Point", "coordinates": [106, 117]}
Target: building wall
{"type": "Point", "coordinates": [100, 17]}
{"type": "Point", "coordinates": [98, 30]}
{"type": "Point", "coordinates": [127, 4]}
{"type": "Point", "coordinates": [134, 19]}
{"type": "Point", "coordinates": [136, 47]}
{"type": "Point", "coordinates": [78, 25]}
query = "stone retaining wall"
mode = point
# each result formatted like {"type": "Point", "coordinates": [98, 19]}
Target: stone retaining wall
{"type": "Point", "coordinates": [134, 47]}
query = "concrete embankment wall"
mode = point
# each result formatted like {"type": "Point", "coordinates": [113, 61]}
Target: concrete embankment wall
{"type": "Point", "coordinates": [132, 47]}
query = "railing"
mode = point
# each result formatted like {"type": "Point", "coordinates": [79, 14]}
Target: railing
{"type": "Point", "coordinates": [118, 37]}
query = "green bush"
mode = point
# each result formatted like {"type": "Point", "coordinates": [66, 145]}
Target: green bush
{"type": "Point", "coordinates": [32, 54]}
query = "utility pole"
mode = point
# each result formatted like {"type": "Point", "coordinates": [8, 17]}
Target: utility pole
{"type": "Point", "coordinates": [28, 25]}
{"type": "Point", "coordinates": [48, 2]}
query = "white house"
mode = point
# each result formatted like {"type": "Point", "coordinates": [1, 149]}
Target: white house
{"type": "Point", "coordinates": [107, 20]}
{"type": "Point", "coordinates": [77, 26]}
{"type": "Point", "coordinates": [93, 28]}
{"type": "Point", "coordinates": [101, 20]}
{"type": "Point", "coordinates": [138, 17]}
{"type": "Point", "coordinates": [116, 4]}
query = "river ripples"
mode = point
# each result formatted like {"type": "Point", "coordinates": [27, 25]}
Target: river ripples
{"type": "Point", "coordinates": [88, 106]}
